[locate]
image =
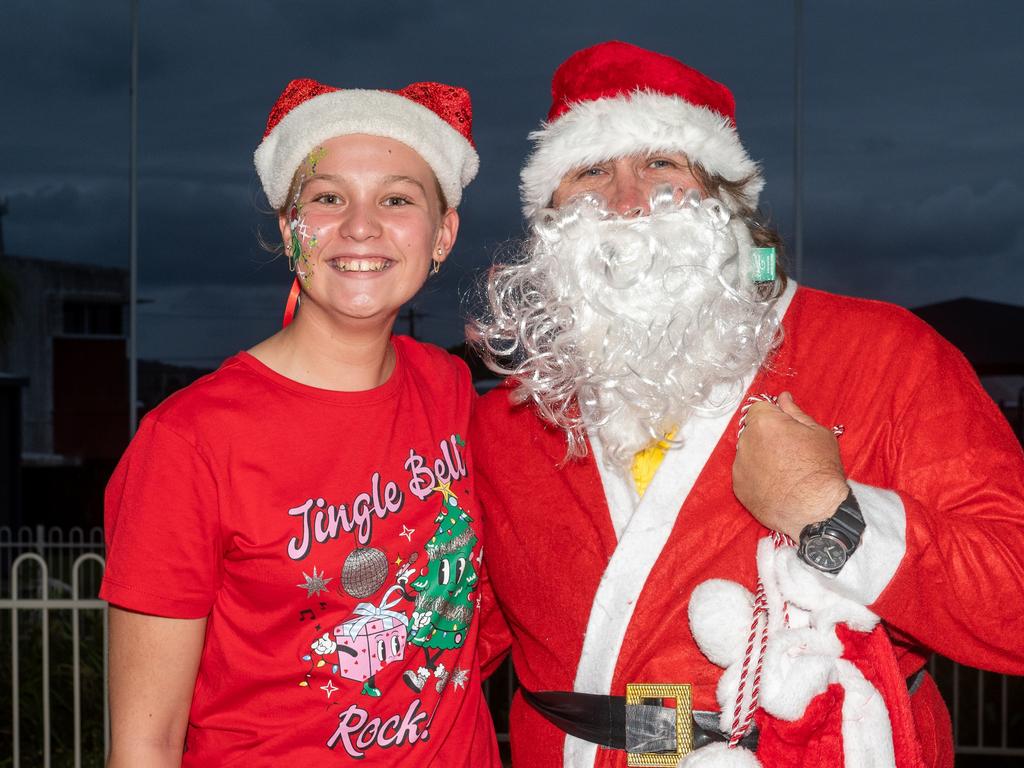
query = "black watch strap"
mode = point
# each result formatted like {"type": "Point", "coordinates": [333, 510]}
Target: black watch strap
{"type": "Point", "coordinates": [848, 520]}
{"type": "Point", "coordinates": [845, 527]}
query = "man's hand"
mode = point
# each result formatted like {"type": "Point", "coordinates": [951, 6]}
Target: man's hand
{"type": "Point", "coordinates": [787, 471]}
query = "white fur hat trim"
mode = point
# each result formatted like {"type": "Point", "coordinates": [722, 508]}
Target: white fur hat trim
{"type": "Point", "coordinates": [376, 113]}
{"type": "Point", "coordinates": [643, 121]}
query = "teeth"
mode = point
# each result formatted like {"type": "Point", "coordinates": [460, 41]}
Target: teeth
{"type": "Point", "coordinates": [361, 265]}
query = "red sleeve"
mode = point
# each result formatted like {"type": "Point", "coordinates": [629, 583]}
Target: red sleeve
{"type": "Point", "coordinates": [494, 638]}
{"type": "Point", "coordinates": [162, 527]}
{"type": "Point", "coordinates": [959, 476]}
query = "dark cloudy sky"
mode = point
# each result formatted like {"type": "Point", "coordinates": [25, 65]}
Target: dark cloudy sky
{"type": "Point", "coordinates": [913, 135]}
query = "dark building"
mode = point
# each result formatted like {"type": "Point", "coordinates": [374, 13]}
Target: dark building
{"type": "Point", "coordinates": [991, 336]}
{"type": "Point", "coordinates": [67, 346]}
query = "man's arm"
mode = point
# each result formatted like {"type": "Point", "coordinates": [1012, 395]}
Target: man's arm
{"type": "Point", "coordinates": [153, 666]}
{"type": "Point", "coordinates": [942, 555]}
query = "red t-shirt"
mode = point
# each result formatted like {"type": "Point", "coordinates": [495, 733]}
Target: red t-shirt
{"type": "Point", "coordinates": [330, 538]}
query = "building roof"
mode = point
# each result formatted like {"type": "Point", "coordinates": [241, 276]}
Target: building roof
{"type": "Point", "coordinates": [990, 334]}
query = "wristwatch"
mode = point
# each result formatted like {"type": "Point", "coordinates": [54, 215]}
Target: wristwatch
{"type": "Point", "coordinates": [828, 544]}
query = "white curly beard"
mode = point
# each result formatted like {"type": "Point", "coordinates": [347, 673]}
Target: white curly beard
{"type": "Point", "coordinates": [623, 327]}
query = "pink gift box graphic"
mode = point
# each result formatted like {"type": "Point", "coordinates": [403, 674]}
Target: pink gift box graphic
{"type": "Point", "coordinates": [373, 638]}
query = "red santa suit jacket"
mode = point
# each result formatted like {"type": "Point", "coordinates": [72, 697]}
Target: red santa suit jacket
{"type": "Point", "coordinates": [595, 583]}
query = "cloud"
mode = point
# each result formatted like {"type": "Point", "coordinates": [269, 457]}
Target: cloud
{"type": "Point", "coordinates": [914, 153]}
{"type": "Point", "coordinates": [189, 231]}
{"type": "Point", "coordinates": [958, 241]}
{"type": "Point", "coordinates": [204, 324]}
{"type": "Point", "coordinates": [80, 220]}
{"type": "Point", "coordinates": [64, 49]}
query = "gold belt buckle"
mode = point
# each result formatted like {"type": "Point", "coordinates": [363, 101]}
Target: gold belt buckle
{"type": "Point", "coordinates": [636, 693]}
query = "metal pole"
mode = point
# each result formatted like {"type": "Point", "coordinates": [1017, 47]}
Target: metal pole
{"type": "Point", "coordinates": [798, 160]}
{"type": "Point", "coordinates": [133, 230]}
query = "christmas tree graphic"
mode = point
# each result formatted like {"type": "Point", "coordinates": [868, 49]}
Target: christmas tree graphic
{"type": "Point", "coordinates": [445, 597]}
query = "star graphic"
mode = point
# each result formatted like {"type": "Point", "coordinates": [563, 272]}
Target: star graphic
{"type": "Point", "coordinates": [459, 678]}
{"type": "Point", "coordinates": [445, 489]}
{"type": "Point", "coordinates": [398, 560]}
{"type": "Point", "coordinates": [407, 532]}
{"type": "Point", "coordinates": [329, 688]}
{"type": "Point", "coordinates": [315, 584]}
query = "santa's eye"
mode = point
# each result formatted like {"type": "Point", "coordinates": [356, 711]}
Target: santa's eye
{"type": "Point", "coordinates": [445, 575]}
{"type": "Point", "coordinates": [594, 170]}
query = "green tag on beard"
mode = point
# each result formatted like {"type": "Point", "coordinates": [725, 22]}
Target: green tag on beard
{"type": "Point", "coordinates": [762, 265]}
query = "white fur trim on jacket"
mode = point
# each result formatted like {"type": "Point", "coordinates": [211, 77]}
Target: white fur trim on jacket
{"type": "Point", "coordinates": [602, 129]}
{"type": "Point", "coordinates": [720, 755]}
{"type": "Point", "coordinates": [377, 113]}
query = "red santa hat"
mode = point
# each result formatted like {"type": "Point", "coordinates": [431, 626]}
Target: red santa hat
{"type": "Point", "coordinates": [434, 119]}
{"type": "Point", "coordinates": [615, 99]}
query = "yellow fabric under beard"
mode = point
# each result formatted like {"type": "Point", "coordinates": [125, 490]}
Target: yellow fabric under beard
{"type": "Point", "coordinates": [647, 461]}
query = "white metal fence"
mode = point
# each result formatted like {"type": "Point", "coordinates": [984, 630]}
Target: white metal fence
{"type": "Point", "coordinates": [52, 577]}
{"type": "Point", "coordinates": [57, 709]}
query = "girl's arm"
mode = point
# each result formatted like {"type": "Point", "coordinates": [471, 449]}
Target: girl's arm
{"type": "Point", "coordinates": [153, 666]}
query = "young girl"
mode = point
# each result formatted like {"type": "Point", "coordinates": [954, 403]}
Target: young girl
{"type": "Point", "coordinates": [293, 554]}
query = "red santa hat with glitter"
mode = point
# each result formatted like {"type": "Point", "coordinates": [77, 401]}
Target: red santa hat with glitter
{"type": "Point", "coordinates": [434, 119]}
{"type": "Point", "coordinates": [615, 99]}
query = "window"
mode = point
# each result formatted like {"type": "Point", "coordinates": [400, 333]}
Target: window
{"type": "Point", "coordinates": [93, 318]}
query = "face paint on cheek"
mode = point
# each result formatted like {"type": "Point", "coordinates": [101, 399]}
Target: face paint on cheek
{"type": "Point", "coordinates": [303, 243]}
{"type": "Point", "coordinates": [309, 243]}
{"type": "Point", "coordinates": [302, 249]}
{"type": "Point", "coordinates": [299, 254]}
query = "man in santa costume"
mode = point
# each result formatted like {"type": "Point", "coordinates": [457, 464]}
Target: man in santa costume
{"type": "Point", "coordinates": [774, 500]}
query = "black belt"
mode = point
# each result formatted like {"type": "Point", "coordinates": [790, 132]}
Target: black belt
{"type": "Point", "coordinates": [636, 728]}
{"type": "Point", "coordinates": [645, 727]}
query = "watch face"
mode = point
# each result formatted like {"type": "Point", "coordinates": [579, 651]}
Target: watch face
{"type": "Point", "coordinates": [825, 553]}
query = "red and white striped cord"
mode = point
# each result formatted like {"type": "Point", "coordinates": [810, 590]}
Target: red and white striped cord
{"type": "Point", "coordinates": [741, 720]}
{"type": "Point", "coordinates": [751, 670]}
{"type": "Point", "coordinates": [743, 716]}
{"type": "Point", "coordinates": [837, 430]}
{"type": "Point", "coordinates": [763, 397]}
